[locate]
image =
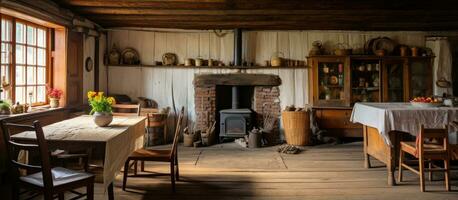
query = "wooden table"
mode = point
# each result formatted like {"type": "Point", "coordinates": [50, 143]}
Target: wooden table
{"type": "Point", "coordinates": [113, 144]}
{"type": "Point", "coordinates": [385, 124]}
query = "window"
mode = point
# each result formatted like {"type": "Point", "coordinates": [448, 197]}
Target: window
{"type": "Point", "coordinates": [6, 55]}
{"type": "Point", "coordinates": [24, 61]}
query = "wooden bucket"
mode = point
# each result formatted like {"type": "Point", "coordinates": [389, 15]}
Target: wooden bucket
{"type": "Point", "coordinates": [297, 127]}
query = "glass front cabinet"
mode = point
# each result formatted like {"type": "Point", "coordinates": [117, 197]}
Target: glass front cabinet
{"type": "Point", "coordinates": [330, 81]}
{"type": "Point", "coordinates": [342, 81]}
{"type": "Point", "coordinates": [338, 82]}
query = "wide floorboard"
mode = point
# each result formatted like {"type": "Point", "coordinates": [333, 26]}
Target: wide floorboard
{"type": "Point", "coordinates": [227, 171]}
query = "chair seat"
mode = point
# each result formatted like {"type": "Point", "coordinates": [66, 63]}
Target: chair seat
{"type": "Point", "coordinates": [150, 155]}
{"type": "Point", "coordinates": [431, 149]}
{"type": "Point", "coordinates": [61, 176]}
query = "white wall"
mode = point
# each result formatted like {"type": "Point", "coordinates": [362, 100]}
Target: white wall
{"type": "Point", "coordinates": [102, 68]}
{"type": "Point", "coordinates": [258, 46]}
{"type": "Point", "coordinates": [88, 77]}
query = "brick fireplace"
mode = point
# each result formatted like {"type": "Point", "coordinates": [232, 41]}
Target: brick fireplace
{"type": "Point", "coordinates": [264, 97]}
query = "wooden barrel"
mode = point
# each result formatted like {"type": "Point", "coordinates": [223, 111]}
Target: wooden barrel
{"type": "Point", "coordinates": [297, 127]}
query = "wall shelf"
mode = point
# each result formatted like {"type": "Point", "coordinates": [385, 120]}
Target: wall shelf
{"type": "Point", "coordinates": [211, 67]}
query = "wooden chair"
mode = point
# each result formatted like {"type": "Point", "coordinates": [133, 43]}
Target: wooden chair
{"type": "Point", "coordinates": [42, 178]}
{"type": "Point", "coordinates": [126, 109]}
{"type": "Point", "coordinates": [454, 147]}
{"type": "Point", "coordinates": [167, 155]}
{"type": "Point", "coordinates": [427, 152]}
{"type": "Point", "coordinates": [157, 120]}
{"type": "Point", "coordinates": [154, 119]}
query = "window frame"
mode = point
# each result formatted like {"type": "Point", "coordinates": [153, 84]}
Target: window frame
{"type": "Point", "coordinates": [12, 65]}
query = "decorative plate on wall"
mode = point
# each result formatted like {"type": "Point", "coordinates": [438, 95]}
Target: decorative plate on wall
{"type": "Point", "coordinates": [89, 65]}
{"type": "Point", "coordinates": [130, 57]}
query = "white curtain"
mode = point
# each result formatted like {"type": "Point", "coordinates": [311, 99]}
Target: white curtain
{"type": "Point", "coordinates": [442, 67]}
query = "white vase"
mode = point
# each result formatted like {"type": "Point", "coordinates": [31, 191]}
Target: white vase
{"type": "Point", "coordinates": [53, 102]}
{"type": "Point", "coordinates": [102, 119]}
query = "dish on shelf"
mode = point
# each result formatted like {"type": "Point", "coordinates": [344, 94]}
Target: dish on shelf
{"type": "Point", "coordinates": [334, 80]}
{"type": "Point", "coordinates": [130, 57]}
{"type": "Point", "coordinates": [383, 43]}
{"type": "Point", "coordinates": [171, 59]}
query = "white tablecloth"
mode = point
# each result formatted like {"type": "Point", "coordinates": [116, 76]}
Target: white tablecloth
{"type": "Point", "coordinates": [403, 117]}
{"type": "Point", "coordinates": [123, 136]}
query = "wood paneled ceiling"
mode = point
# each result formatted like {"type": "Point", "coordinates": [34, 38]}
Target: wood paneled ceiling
{"type": "Point", "coordinates": [429, 15]}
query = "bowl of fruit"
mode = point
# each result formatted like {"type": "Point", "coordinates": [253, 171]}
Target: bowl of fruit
{"type": "Point", "coordinates": [426, 102]}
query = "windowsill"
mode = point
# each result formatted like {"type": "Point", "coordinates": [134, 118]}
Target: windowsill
{"type": "Point", "coordinates": [37, 110]}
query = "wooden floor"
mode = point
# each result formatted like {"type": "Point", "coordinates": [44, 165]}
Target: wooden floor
{"type": "Point", "coordinates": [228, 171]}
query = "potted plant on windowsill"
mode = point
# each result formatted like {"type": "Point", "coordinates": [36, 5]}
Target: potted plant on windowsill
{"type": "Point", "coordinates": [101, 108]}
{"type": "Point", "coordinates": [5, 108]}
{"type": "Point", "coordinates": [54, 96]}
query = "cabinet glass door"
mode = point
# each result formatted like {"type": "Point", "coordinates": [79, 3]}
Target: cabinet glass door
{"type": "Point", "coordinates": [365, 81]}
{"type": "Point", "coordinates": [331, 85]}
{"type": "Point", "coordinates": [420, 78]}
{"type": "Point", "coordinates": [394, 84]}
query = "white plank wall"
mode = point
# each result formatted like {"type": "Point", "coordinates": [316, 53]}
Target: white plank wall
{"type": "Point", "coordinates": [156, 83]}
{"type": "Point", "coordinates": [88, 77]}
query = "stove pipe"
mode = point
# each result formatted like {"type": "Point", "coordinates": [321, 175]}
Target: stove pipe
{"type": "Point", "coordinates": [237, 62]}
{"type": "Point", "coordinates": [235, 97]}
{"type": "Point", "coordinates": [237, 47]}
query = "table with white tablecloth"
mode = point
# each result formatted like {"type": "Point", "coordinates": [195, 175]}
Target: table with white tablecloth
{"type": "Point", "coordinates": [384, 124]}
{"type": "Point", "coordinates": [115, 142]}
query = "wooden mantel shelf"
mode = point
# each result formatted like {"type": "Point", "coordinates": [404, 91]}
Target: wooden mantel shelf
{"type": "Point", "coordinates": [237, 79]}
{"type": "Point", "coordinates": [211, 67]}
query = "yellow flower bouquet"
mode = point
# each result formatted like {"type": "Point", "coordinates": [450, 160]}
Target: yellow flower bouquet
{"type": "Point", "coordinates": [99, 102]}
{"type": "Point", "coordinates": [101, 107]}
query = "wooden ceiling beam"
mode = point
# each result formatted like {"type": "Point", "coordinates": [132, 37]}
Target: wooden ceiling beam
{"type": "Point", "coordinates": [286, 25]}
{"type": "Point", "coordinates": [353, 13]}
{"type": "Point", "coordinates": [256, 18]}
{"type": "Point", "coordinates": [153, 4]}
{"type": "Point", "coordinates": [268, 4]}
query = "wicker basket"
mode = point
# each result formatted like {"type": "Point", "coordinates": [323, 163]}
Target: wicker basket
{"type": "Point", "coordinates": [297, 127]}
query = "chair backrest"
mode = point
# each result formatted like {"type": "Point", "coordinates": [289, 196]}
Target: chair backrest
{"type": "Point", "coordinates": [146, 111]}
{"type": "Point", "coordinates": [126, 109]}
{"type": "Point", "coordinates": [156, 119]}
{"type": "Point", "coordinates": [433, 133]}
{"type": "Point", "coordinates": [177, 133]}
{"type": "Point", "coordinates": [39, 145]}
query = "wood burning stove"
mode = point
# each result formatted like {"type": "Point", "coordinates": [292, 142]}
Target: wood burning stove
{"type": "Point", "coordinates": [235, 123]}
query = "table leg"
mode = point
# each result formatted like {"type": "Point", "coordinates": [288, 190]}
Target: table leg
{"type": "Point", "coordinates": [392, 155]}
{"type": "Point", "coordinates": [391, 180]}
{"type": "Point", "coordinates": [110, 191]}
{"type": "Point", "coordinates": [367, 161]}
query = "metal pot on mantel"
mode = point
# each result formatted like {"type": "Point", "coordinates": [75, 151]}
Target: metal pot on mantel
{"type": "Point", "coordinates": [275, 59]}
{"type": "Point", "coordinates": [199, 62]}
